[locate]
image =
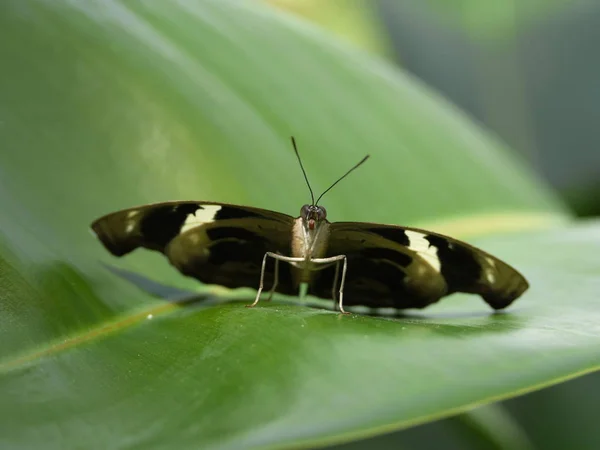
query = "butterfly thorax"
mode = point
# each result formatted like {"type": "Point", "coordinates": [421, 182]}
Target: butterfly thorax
{"type": "Point", "coordinates": [310, 235]}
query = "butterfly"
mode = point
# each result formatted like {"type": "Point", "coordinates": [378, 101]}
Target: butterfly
{"type": "Point", "coordinates": [352, 263]}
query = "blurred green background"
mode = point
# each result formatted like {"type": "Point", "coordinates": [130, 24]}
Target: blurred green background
{"type": "Point", "coordinates": [528, 70]}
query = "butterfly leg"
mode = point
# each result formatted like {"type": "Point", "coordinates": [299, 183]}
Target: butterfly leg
{"type": "Point", "coordinates": [262, 279]}
{"type": "Point", "coordinates": [342, 284]}
{"type": "Point", "coordinates": [276, 257]}
{"type": "Point", "coordinates": [275, 280]}
{"type": "Point", "coordinates": [335, 281]}
{"type": "Point", "coordinates": [337, 260]}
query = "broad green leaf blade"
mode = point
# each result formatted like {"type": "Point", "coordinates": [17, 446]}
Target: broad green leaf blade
{"type": "Point", "coordinates": [354, 21]}
{"type": "Point", "coordinates": [226, 376]}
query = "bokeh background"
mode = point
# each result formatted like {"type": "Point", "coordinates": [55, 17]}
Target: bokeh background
{"type": "Point", "coordinates": [528, 71]}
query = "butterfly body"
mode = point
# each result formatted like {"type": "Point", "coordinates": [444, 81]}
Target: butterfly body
{"type": "Point", "coordinates": [309, 244]}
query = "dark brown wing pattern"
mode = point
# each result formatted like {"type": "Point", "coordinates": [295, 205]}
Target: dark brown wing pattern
{"type": "Point", "coordinates": [215, 243]}
{"type": "Point", "coordinates": [391, 266]}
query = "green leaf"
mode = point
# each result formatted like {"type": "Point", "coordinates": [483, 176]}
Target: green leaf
{"type": "Point", "coordinates": [286, 374]}
{"type": "Point", "coordinates": [105, 105]}
{"type": "Point", "coordinates": [354, 21]}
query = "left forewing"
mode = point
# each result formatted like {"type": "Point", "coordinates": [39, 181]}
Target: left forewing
{"type": "Point", "coordinates": [154, 226]}
{"type": "Point", "coordinates": [215, 243]}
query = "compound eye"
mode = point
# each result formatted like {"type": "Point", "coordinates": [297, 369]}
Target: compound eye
{"type": "Point", "coordinates": [322, 213]}
{"type": "Point", "coordinates": [304, 211]}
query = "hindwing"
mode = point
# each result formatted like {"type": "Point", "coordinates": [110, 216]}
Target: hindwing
{"type": "Point", "coordinates": [399, 267]}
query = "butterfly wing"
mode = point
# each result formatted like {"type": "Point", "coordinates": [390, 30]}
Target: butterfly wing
{"type": "Point", "coordinates": [399, 267]}
{"type": "Point", "coordinates": [215, 243]}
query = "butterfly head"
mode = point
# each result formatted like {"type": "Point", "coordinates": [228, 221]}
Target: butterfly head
{"type": "Point", "coordinates": [318, 213]}
{"type": "Point", "coordinates": [313, 215]}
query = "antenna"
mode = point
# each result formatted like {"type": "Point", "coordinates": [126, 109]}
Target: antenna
{"type": "Point", "coordinates": [312, 196]}
{"type": "Point", "coordinates": [341, 178]}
